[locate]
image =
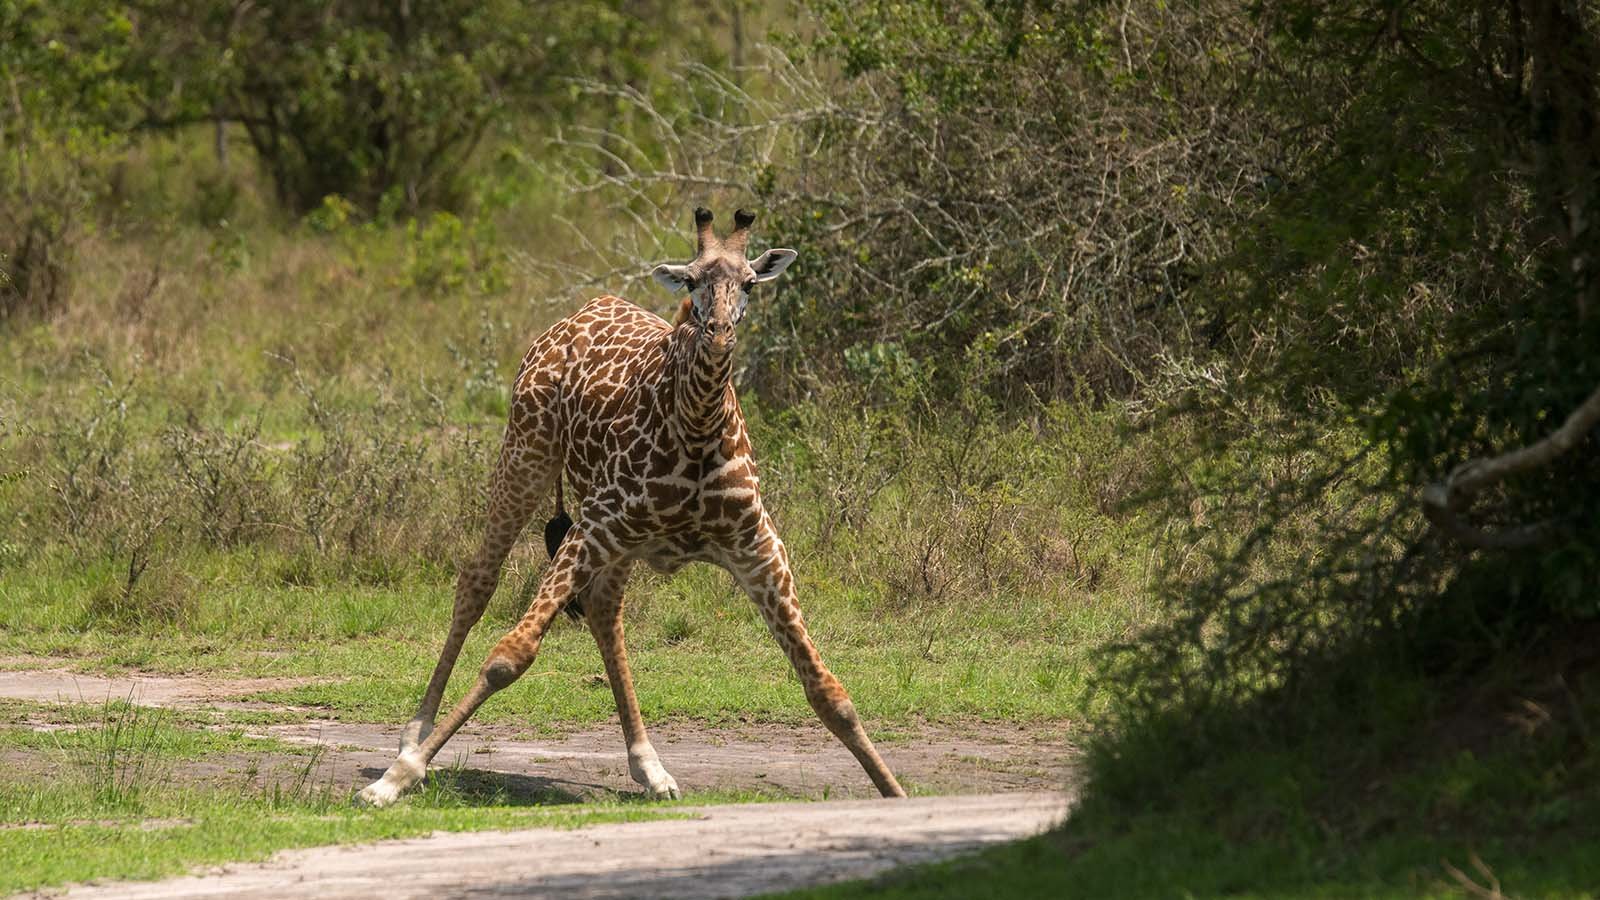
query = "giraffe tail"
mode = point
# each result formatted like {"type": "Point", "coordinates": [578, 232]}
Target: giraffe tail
{"type": "Point", "coordinates": [555, 531]}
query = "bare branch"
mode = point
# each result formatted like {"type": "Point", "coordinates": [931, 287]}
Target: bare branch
{"type": "Point", "coordinates": [1489, 890]}
{"type": "Point", "coordinates": [1444, 502]}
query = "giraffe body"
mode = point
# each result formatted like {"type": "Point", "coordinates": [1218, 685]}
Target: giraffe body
{"type": "Point", "coordinates": [640, 418]}
{"type": "Point", "coordinates": [666, 497]}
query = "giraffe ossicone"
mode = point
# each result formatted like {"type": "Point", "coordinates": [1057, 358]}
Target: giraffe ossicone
{"type": "Point", "coordinates": [639, 418]}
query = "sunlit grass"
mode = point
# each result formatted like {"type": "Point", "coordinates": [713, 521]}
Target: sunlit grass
{"type": "Point", "coordinates": [111, 807]}
{"type": "Point", "coordinates": [698, 649]}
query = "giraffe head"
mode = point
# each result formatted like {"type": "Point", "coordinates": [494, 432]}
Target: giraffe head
{"type": "Point", "coordinates": [720, 278]}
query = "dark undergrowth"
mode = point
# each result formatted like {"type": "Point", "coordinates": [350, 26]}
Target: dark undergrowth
{"type": "Point", "coordinates": [1418, 765]}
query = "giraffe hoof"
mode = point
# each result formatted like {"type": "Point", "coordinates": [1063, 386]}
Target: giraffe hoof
{"type": "Point", "coordinates": [405, 772]}
{"type": "Point", "coordinates": [665, 788]}
{"type": "Point", "coordinates": [669, 792]}
{"type": "Point", "coordinates": [648, 772]}
{"type": "Point", "coordinates": [376, 795]}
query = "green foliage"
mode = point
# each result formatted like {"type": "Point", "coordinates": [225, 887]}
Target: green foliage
{"type": "Point", "coordinates": [446, 256]}
{"type": "Point", "coordinates": [61, 110]}
{"type": "Point", "coordinates": [1408, 311]}
{"type": "Point", "coordinates": [381, 105]}
{"type": "Point", "coordinates": [378, 104]}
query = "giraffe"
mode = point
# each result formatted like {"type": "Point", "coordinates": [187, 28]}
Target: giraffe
{"type": "Point", "coordinates": [640, 419]}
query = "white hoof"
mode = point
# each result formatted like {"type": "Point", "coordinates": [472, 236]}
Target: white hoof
{"type": "Point", "coordinates": [377, 795]}
{"type": "Point", "coordinates": [665, 788]}
{"type": "Point", "coordinates": [401, 777]}
{"type": "Point", "coordinates": [647, 770]}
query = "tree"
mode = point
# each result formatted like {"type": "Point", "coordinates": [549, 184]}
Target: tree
{"type": "Point", "coordinates": [380, 102]}
{"type": "Point", "coordinates": [62, 109]}
{"type": "Point", "coordinates": [1416, 303]}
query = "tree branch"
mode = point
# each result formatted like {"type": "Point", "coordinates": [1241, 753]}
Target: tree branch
{"type": "Point", "coordinates": [1443, 502]}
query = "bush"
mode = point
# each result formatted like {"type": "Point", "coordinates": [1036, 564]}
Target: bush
{"type": "Point", "coordinates": [371, 488]}
{"type": "Point", "coordinates": [1018, 173]}
{"type": "Point", "coordinates": [1418, 311]}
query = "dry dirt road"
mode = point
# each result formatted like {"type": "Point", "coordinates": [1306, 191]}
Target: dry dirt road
{"type": "Point", "coordinates": [725, 851]}
{"type": "Point", "coordinates": [996, 782]}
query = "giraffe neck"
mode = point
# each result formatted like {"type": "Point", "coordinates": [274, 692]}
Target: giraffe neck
{"type": "Point", "coordinates": [702, 392]}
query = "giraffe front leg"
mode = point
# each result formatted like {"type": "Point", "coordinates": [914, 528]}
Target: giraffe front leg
{"type": "Point", "coordinates": [523, 475]}
{"type": "Point", "coordinates": [511, 657]}
{"type": "Point", "coordinates": [764, 573]}
{"type": "Point", "coordinates": [602, 605]}
{"type": "Point", "coordinates": [474, 586]}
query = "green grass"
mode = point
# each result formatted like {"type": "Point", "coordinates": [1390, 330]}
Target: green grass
{"type": "Point", "coordinates": [112, 808]}
{"type": "Point", "coordinates": [228, 832]}
{"type": "Point", "coordinates": [67, 839]}
{"type": "Point", "coordinates": [698, 648]}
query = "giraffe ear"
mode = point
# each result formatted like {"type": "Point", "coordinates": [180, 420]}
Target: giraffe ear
{"type": "Point", "coordinates": [673, 278]}
{"type": "Point", "coordinates": [771, 264]}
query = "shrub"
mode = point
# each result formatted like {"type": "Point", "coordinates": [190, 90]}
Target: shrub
{"type": "Point", "coordinates": [1419, 311]}
{"type": "Point", "coordinates": [1025, 174]}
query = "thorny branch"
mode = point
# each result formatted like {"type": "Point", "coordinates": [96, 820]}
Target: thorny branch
{"type": "Point", "coordinates": [1060, 216]}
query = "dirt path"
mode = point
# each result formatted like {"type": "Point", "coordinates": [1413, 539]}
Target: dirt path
{"type": "Point", "coordinates": [785, 761]}
{"type": "Point", "coordinates": [727, 851]}
{"type": "Point", "coordinates": [48, 685]}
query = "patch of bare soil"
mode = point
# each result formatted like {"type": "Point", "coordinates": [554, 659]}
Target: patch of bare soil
{"type": "Point", "coordinates": [725, 851]}
{"type": "Point", "coordinates": [775, 760]}
{"type": "Point", "coordinates": [997, 781]}
{"type": "Point", "coordinates": [784, 761]}
{"type": "Point", "coordinates": [61, 686]}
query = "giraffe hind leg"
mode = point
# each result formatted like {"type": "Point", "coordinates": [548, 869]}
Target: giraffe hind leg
{"type": "Point", "coordinates": [474, 587]}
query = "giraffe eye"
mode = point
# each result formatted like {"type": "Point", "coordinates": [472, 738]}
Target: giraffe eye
{"type": "Point", "coordinates": [688, 284]}
{"type": "Point", "coordinates": [749, 285]}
